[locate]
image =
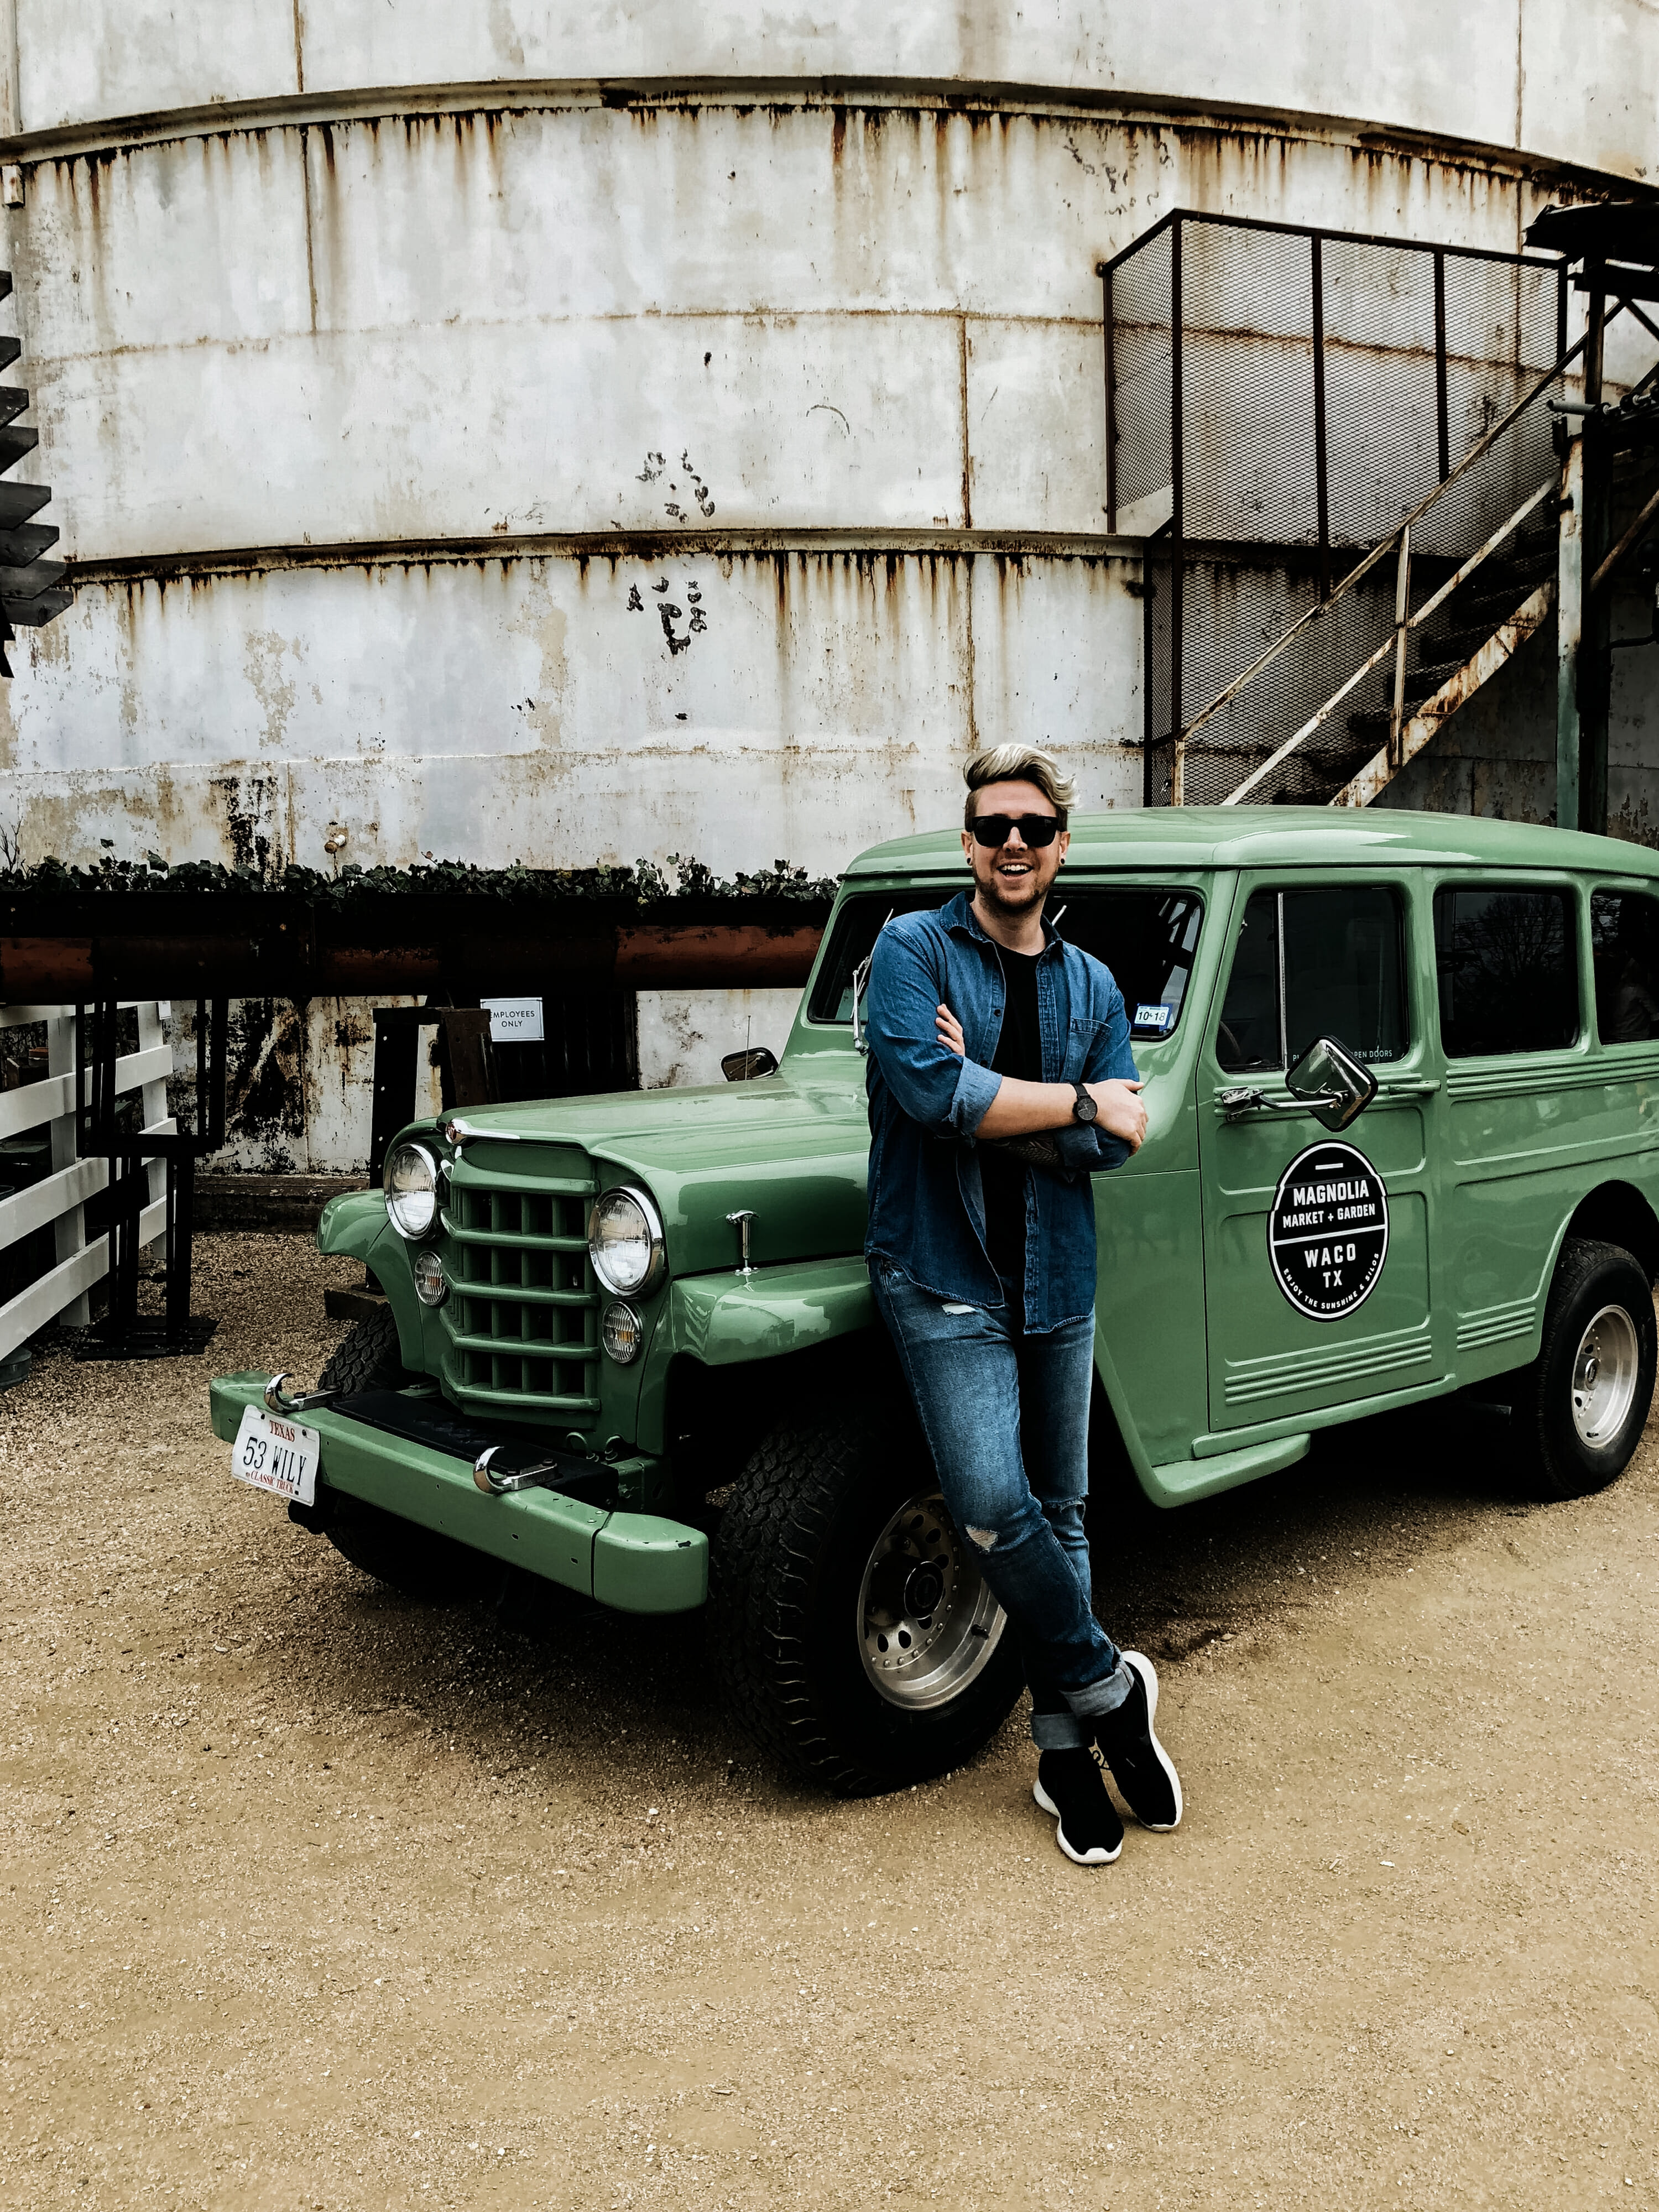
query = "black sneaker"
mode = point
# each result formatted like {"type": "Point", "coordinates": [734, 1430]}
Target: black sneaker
{"type": "Point", "coordinates": [1140, 1767]}
{"type": "Point", "coordinates": [1069, 1785]}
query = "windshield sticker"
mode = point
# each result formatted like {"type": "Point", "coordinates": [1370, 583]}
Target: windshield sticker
{"type": "Point", "coordinates": [1155, 1018]}
{"type": "Point", "coordinates": [1328, 1235]}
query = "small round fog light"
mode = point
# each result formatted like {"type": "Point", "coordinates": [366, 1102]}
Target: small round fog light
{"type": "Point", "coordinates": [430, 1288]}
{"type": "Point", "coordinates": [622, 1332]}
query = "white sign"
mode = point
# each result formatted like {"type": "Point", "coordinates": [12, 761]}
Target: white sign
{"type": "Point", "coordinates": [278, 1455]}
{"type": "Point", "coordinates": [513, 1021]}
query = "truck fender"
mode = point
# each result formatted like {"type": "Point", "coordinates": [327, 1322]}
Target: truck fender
{"type": "Point", "coordinates": [724, 1320]}
{"type": "Point", "coordinates": [353, 1223]}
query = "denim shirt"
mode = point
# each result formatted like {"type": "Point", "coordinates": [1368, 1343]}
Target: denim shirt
{"type": "Point", "coordinates": [926, 1205]}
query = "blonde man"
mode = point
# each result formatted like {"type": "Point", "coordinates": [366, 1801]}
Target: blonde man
{"type": "Point", "coordinates": [990, 1032]}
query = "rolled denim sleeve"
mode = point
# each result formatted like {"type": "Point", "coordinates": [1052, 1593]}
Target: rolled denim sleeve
{"type": "Point", "coordinates": [947, 1095]}
{"type": "Point", "coordinates": [1090, 1150]}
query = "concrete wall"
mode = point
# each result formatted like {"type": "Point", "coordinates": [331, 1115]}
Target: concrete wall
{"type": "Point", "coordinates": [399, 366]}
{"type": "Point", "coordinates": [1545, 77]}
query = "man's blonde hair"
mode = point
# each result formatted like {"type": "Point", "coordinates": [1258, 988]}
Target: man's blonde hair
{"type": "Point", "coordinates": [1019, 764]}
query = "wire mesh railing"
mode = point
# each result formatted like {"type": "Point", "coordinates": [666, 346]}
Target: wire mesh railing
{"type": "Point", "coordinates": [1279, 401]}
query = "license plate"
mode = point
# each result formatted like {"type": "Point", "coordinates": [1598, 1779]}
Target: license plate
{"type": "Point", "coordinates": [277, 1455]}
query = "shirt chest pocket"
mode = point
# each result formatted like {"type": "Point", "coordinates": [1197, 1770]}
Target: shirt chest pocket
{"type": "Point", "coordinates": [1083, 1032]}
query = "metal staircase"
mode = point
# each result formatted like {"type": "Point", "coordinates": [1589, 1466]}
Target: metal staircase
{"type": "Point", "coordinates": [1485, 621]}
{"type": "Point", "coordinates": [1458, 639]}
{"type": "Point", "coordinates": [1269, 392]}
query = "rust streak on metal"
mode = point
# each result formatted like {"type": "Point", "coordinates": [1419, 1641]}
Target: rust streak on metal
{"type": "Point", "coordinates": [266, 955]}
{"type": "Point", "coordinates": [1639, 529]}
{"type": "Point", "coordinates": [654, 957]}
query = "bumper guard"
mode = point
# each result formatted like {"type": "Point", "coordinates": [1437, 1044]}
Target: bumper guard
{"type": "Point", "coordinates": [412, 1454]}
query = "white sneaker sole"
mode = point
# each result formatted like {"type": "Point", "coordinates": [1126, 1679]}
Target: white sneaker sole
{"type": "Point", "coordinates": [1149, 1675]}
{"type": "Point", "coordinates": [1099, 1856]}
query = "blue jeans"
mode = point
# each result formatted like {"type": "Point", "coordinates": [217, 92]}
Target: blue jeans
{"type": "Point", "coordinates": [1006, 1416]}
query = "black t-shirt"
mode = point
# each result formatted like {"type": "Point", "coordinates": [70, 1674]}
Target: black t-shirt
{"type": "Point", "coordinates": [1019, 1054]}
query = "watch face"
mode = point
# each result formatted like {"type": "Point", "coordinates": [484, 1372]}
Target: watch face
{"type": "Point", "coordinates": [1085, 1109]}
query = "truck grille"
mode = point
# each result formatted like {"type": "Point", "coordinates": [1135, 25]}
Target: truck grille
{"type": "Point", "coordinates": [522, 1312]}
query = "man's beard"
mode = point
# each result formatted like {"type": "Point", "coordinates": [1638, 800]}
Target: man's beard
{"type": "Point", "coordinates": [1012, 899]}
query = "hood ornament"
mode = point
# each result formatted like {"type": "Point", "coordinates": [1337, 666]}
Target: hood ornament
{"type": "Point", "coordinates": [456, 1132]}
{"type": "Point", "coordinates": [740, 1222]}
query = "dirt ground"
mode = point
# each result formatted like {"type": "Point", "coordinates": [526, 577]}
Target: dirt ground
{"type": "Point", "coordinates": [317, 1897]}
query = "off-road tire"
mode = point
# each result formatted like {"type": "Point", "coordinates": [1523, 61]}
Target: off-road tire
{"type": "Point", "coordinates": [414, 1560]}
{"type": "Point", "coordinates": [1553, 1460]}
{"type": "Point", "coordinates": [786, 1570]}
{"type": "Point", "coordinates": [367, 1357]}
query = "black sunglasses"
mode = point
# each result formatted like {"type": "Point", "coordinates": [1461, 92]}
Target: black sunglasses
{"type": "Point", "coordinates": [1036, 830]}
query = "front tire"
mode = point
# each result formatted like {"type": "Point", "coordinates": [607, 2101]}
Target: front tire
{"type": "Point", "coordinates": [860, 1645]}
{"type": "Point", "coordinates": [1579, 1410]}
{"type": "Point", "coordinates": [422, 1565]}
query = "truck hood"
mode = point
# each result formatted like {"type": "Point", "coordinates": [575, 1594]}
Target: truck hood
{"type": "Point", "coordinates": [794, 1154]}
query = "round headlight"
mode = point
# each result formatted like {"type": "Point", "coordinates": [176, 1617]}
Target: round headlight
{"type": "Point", "coordinates": [624, 1242]}
{"type": "Point", "coordinates": [430, 1288]}
{"type": "Point", "coordinates": [622, 1332]}
{"type": "Point", "coordinates": [411, 1190]}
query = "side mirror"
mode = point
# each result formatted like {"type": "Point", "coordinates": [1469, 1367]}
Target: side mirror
{"type": "Point", "coordinates": [744, 1067]}
{"type": "Point", "coordinates": [1332, 1082]}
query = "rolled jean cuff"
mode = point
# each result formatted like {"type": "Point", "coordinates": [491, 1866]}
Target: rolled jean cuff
{"type": "Point", "coordinates": [1058, 1732]}
{"type": "Point", "coordinates": [1096, 1700]}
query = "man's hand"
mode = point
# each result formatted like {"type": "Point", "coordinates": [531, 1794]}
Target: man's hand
{"type": "Point", "coordinates": [1025, 1109]}
{"type": "Point", "coordinates": [1121, 1114]}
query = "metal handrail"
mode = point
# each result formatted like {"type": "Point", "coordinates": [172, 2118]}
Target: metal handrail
{"type": "Point", "coordinates": [1482, 444]}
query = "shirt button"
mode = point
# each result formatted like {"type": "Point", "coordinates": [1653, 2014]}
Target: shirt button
{"type": "Point", "coordinates": [996, 1009]}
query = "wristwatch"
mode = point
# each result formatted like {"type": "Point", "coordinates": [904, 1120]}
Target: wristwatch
{"type": "Point", "coordinates": [1084, 1107]}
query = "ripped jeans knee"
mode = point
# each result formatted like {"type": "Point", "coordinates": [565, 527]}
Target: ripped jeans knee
{"type": "Point", "coordinates": [995, 1528]}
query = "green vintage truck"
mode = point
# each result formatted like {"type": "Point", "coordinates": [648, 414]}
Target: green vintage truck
{"type": "Point", "coordinates": [1402, 1076]}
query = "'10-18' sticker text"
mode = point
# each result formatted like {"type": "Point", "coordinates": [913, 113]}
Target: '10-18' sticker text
{"type": "Point", "coordinates": [1328, 1235]}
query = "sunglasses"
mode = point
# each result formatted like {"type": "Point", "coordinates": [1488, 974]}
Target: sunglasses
{"type": "Point", "coordinates": [1036, 830]}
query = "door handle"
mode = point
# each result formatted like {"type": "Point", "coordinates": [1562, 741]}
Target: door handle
{"type": "Point", "coordinates": [1409, 1086]}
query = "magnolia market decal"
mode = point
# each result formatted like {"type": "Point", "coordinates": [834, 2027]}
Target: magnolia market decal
{"type": "Point", "coordinates": [1328, 1235]}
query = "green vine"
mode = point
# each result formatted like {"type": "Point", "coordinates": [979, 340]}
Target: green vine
{"type": "Point", "coordinates": [644, 885]}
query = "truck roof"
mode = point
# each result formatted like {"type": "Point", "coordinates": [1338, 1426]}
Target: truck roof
{"type": "Point", "coordinates": [1288, 836]}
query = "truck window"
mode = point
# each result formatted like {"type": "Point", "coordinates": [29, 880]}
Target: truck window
{"type": "Point", "coordinates": [1508, 971]}
{"type": "Point", "coordinates": [1310, 964]}
{"type": "Point", "coordinates": [1147, 938]}
{"type": "Point", "coordinates": [1624, 944]}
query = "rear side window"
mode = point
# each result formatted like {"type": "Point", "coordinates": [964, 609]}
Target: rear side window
{"type": "Point", "coordinates": [1315, 964]}
{"type": "Point", "coordinates": [1508, 971]}
{"type": "Point", "coordinates": [1625, 942]}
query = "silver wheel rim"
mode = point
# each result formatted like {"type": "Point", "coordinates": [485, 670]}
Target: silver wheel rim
{"type": "Point", "coordinates": [927, 1623]}
{"type": "Point", "coordinates": [1604, 1371]}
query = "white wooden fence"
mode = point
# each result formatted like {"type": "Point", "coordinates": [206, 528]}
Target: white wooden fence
{"type": "Point", "coordinates": [61, 1197]}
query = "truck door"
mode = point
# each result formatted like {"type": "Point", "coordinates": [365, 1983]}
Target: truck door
{"type": "Point", "coordinates": [1317, 1248]}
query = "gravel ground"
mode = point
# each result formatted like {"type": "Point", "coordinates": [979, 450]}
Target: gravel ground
{"type": "Point", "coordinates": [318, 1898]}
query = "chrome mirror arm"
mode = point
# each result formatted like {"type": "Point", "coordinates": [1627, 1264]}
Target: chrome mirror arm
{"type": "Point", "coordinates": [1240, 1100]}
{"type": "Point", "coordinates": [861, 978]}
{"type": "Point", "coordinates": [277, 1401]}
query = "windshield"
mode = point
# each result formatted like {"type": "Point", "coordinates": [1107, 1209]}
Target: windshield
{"type": "Point", "coordinates": [1147, 936]}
